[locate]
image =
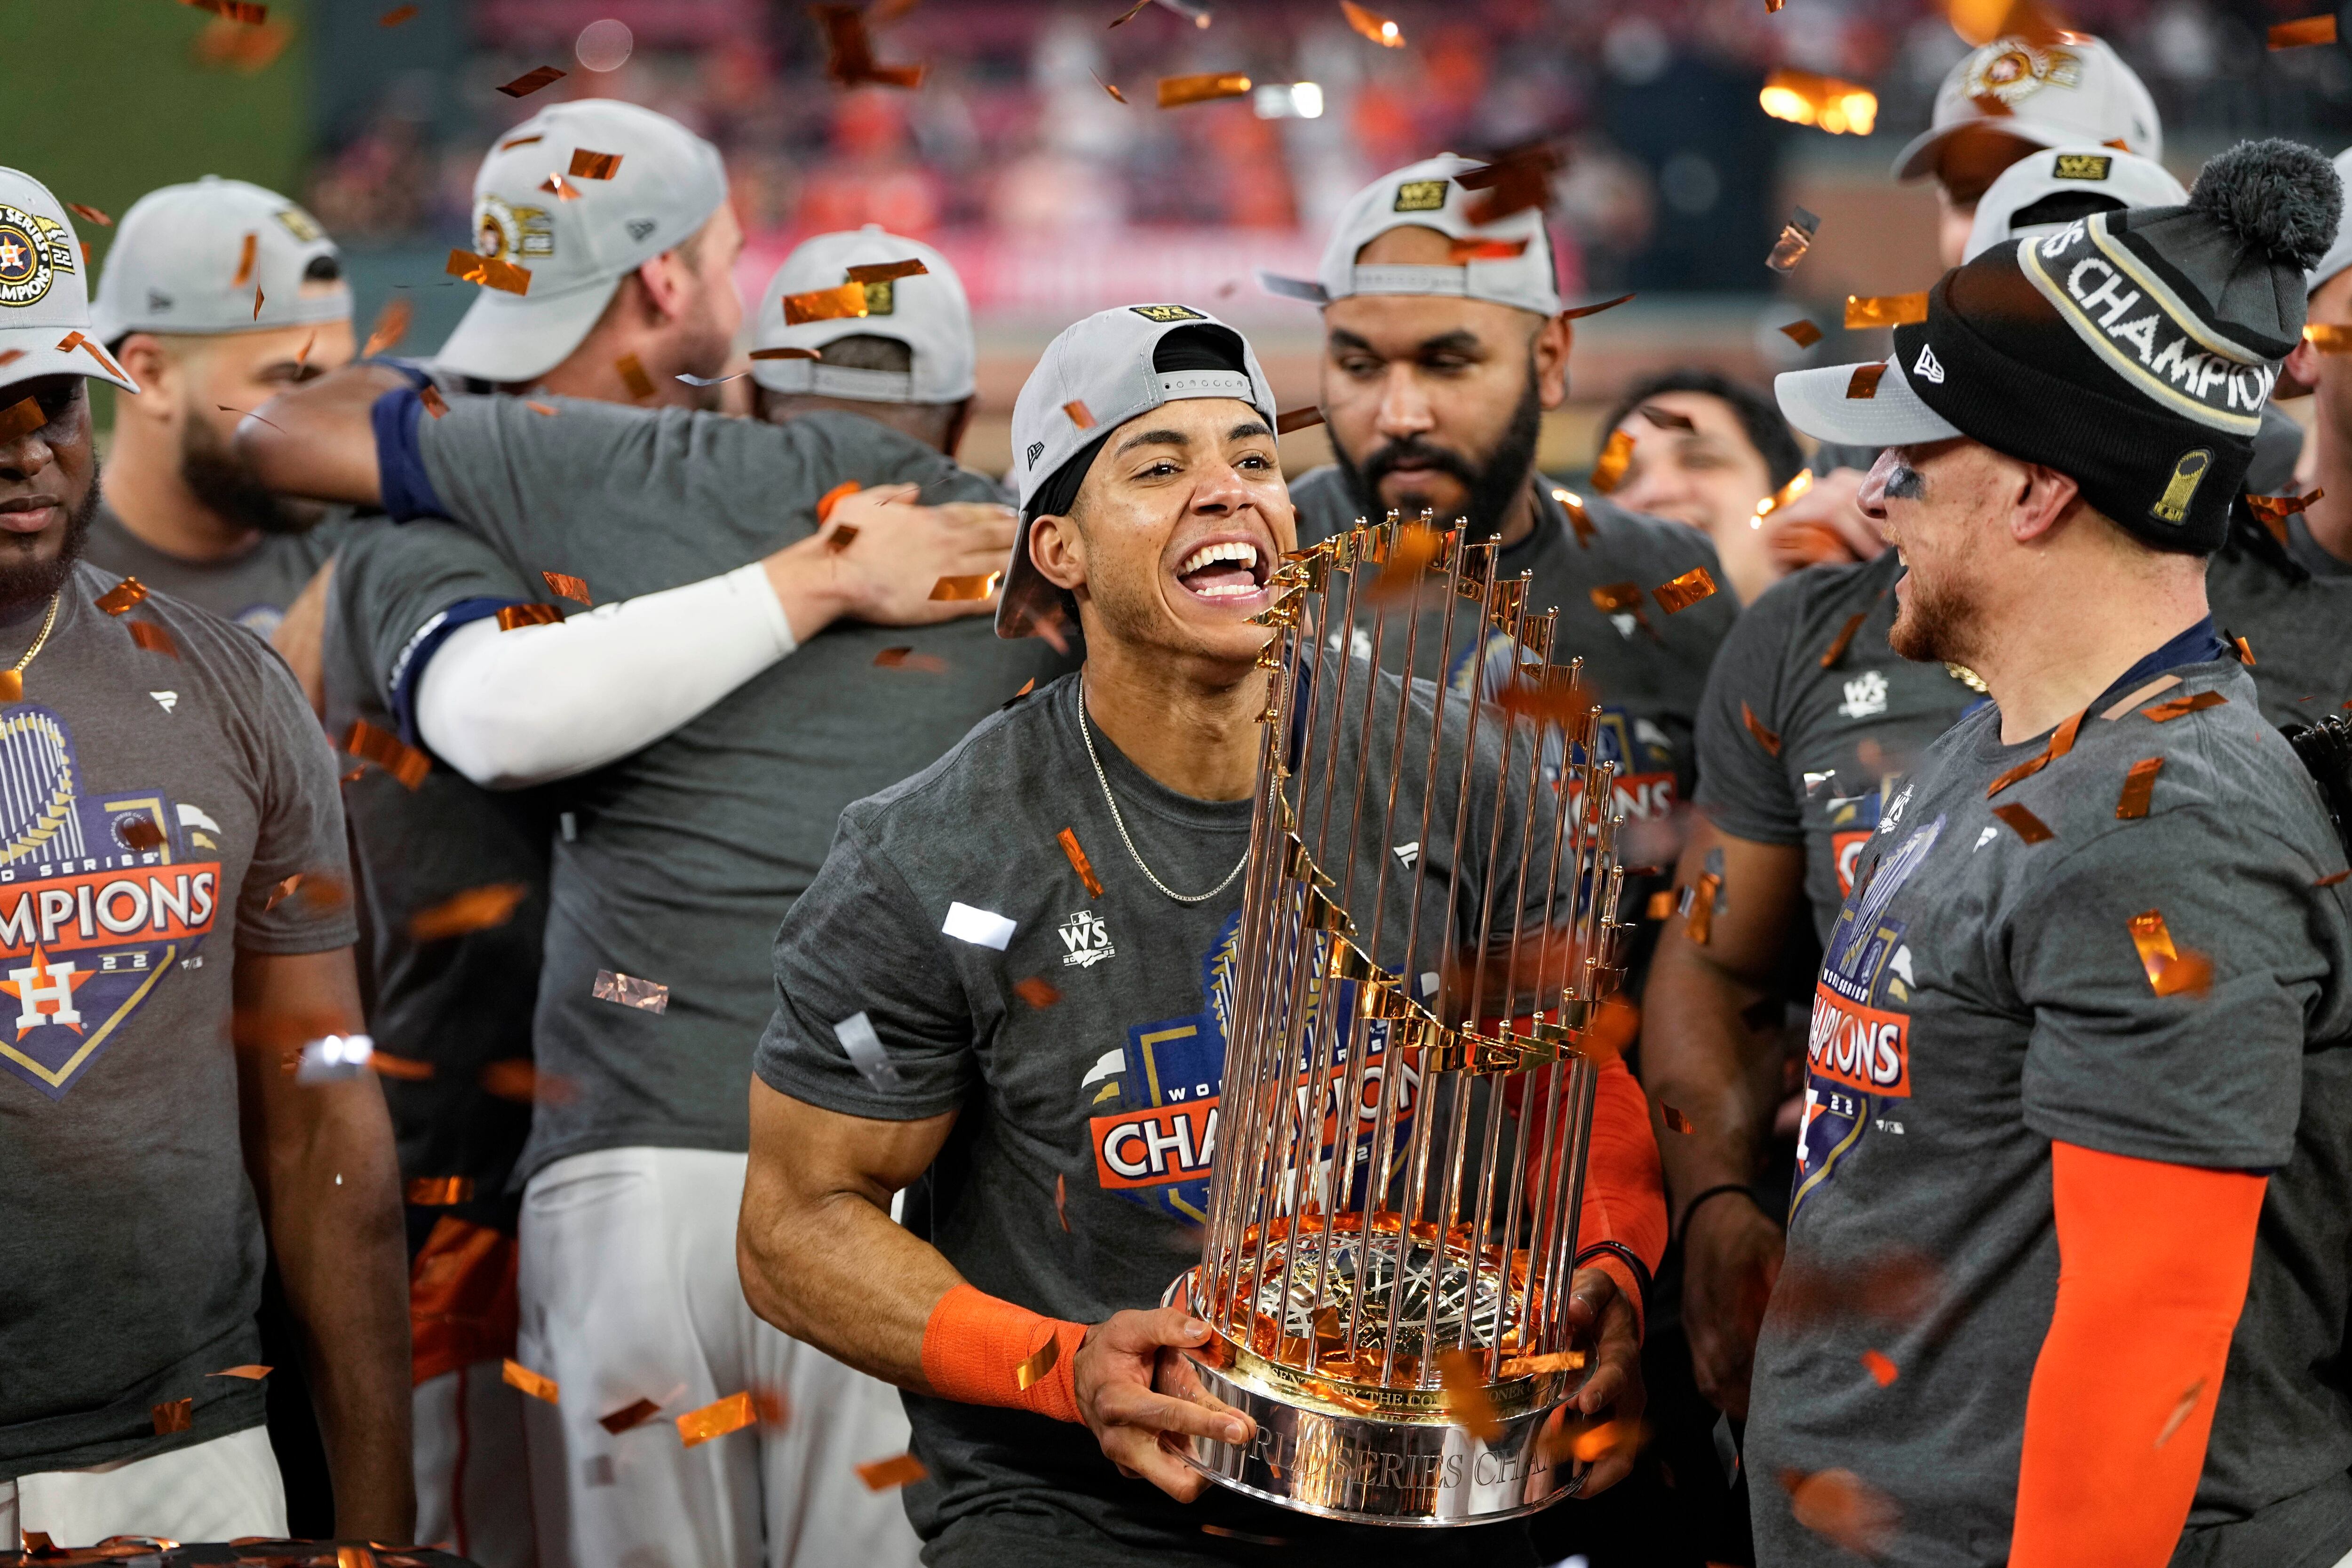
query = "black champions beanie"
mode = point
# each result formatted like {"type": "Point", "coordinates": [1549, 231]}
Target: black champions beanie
{"type": "Point", "coordinates": [2133, 351]}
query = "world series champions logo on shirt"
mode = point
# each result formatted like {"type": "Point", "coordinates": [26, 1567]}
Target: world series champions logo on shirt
{"type": "Point", "coordinates": [1153, 1103]}
{"type": "Point", "coordinates": [1858, 1049]}
{"type": "Point", "coordinates": [100, 896]}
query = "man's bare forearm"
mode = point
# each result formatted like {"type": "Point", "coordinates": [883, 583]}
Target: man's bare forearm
{"type": "Point", "coordinates": [819, 1254]}
{"type": "Point", "coordinates": [1699, 1053]}
{"type": "Point", "coordinates": [318, 440]}
{"type": "Point", "coordinates": [322, 1163]}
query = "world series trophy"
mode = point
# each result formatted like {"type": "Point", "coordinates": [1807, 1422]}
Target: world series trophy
{"type": "Point", "coordinates": [1392, 1210]}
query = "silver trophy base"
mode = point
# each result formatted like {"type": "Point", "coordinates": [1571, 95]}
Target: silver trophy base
{"type": "Point", "coordinates": [1418, 1472]}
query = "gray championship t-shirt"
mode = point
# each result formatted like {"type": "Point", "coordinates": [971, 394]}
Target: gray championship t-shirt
{"type": "Point", "coordinates": [1106, 1094]}
{"type": "Point", "coordinates": [1647, 669]}
{"type": "Point", "coordinates": [684, 856]}
{"type": "Point", "coordinates": [252, 590]}
{"type": "Point", "coordinates": [1839, 719]}
{"type": "Point", "coordinates": [152, 804]}
{"type": "Point", "coordinates": [1984, 995]}
{"type": "Point", "coordinates": [455, 994]}
{"type": "Point", "coordinates": [2297, 622]}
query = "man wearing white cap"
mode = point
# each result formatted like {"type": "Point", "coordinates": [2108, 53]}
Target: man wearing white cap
{"type": "Point", "coordinates": [1811, 723]}
{"type": "Point", "coordinates": [1154, 524]}
{"type": "Point", "coordinates": [714, 717]}
{"type": "Point", "coordinates": [216, 296]}
{"type": "Point", "coordinates": [170, 823]}
{"type": "Point", "coordinates": [907, 362]}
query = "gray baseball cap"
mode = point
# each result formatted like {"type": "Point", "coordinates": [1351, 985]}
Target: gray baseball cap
{"type": "Point", "coordinates": [2060, 177]}
{"type": "Point", "coordinates": [45, 325]}
{"type": "Point", "coordinates": [577, 248]}
{"type": "Point", "coordinates": [928, 312]}
{"type": "Point", "coordinates": [1426, 195]}
{"type": "Point", "coordinates": [178, 264]}
{"type": "Point", "coordinates": [2070, 91]}
{"type": "Point", "coordinates": [1095, 377]}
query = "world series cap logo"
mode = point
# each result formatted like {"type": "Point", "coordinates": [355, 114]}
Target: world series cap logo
{"type": "Point", "coordinates": [502, 231]}
{"type": "Point", "coordinates": [33, 251]}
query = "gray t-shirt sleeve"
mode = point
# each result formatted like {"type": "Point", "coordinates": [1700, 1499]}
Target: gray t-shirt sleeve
{"type": "Point", "coordinates": [300, 829]}
{"type": "Point", "coordinates": [2209, 1080]}
{"type": "Point", "coordinates": [858, 941]}
{"type": "Point", "coordinates": [1742, 787]}
{"type": "Point", "coordinates": [389, 588]}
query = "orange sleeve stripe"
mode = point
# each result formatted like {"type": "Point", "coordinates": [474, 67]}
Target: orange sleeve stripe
{"type": "Point", "coordinates": [2153, 1265]}
{"type": "Point", "coordinates": [974, 1344]}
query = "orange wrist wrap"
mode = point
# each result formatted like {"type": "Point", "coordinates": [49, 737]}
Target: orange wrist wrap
{"type": "Point", "coordinates": [974, 1346]}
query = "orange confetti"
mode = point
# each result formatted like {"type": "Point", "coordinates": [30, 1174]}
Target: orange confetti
{"type": "Point", "coordinates": [435, 404]}
{"type": "Point", "coordinates": [1080, 414]}
{"type": "Point", "coordinates": [2061, 742]}
{"type": "Point", "coordinates": [786, 354]}
{"type": "Point", "coordinates": [94, 213]}
{"type": "Point", "coordinates": [629, 1416]}
{"type": "Point", "coordinates": [517, 1375]}
{"type": "Point", "coordinates": [632, 371]}
{"type": "Point", "coordinates": [1111, 88]}
{"type": "Point", "coordinates": [1062, 1202]}
{"type": "Point", "coordinates": [121, 596]}
{"type": "Point", "coordinates": [1803, 333]}
{"type": "Point", "coordinates": [387, 751]}
{"type": "Point", "coordinates": [154, 638]}
{"type": "Point", "coordinates": [1175, 92]}
{"type": "Point", "coordinates": [489, 271]}
{"type": "Point", "coordinates": [2139, 784]}
{"type": "Point", "coordinates": [1683, 591]}
{"type": "Point", "coordinates": [531, 81]}
{"type": "Point", "coordinates": [250, 1372]}
{"type": "Point", "coordinates": [2301, 31]}
{"type": "Point", "coordinates": [1609, 471]}
{"type": "Point", "coordinates": [886, 1475]}
{"type": "Point", "coordinates": [966, 588]}
{"type": "Point", "coordinates": [1372, 24]}
{"type": "Point", "coordinates": [2273, 511]}
{"type": "Point", "coordinates": [1675, 1121]}
{"type": "Point", "coordinates": [1662, 904]}
{"type": "Point", "coordinates": [834, 304]}
{"type": "Point", "coordinates": [1880, 1367]}
{"type": "Point", "coordinates": [1534, 1366]}
{"type": "Point", "coordinates": [1841, 1507]}
{"type": "Point", "coordinates": [1701, 919]}
{"type": "Point", "coordinates": [1864, 382]}
{"type": "Point", "coordinates": [1843, 640]}
{"type": "Point", "coordinates": [1037, 991]}
{"type": "Point", "coordinates": [20, 419]}
{"type": "Point", "coordinates": [1041, 1361]}
{"type": "Point", "coordinates": [1304, 418]}
{"type": "Point", "coordinates": [1618, 597]}
{"type": "Point", "coordinates": [587, 165]}
{"type": "Point", "coordinates": [1515, 179]}
{"type": "Point", "coordinates": [2169, 972]}
{"type": "Point", "coordinates": [2026, 825]}
{"type": "Point", "coordinates": [2332, 878]}
{"type": "Point", "coordinates": [849, 52]}
{"type": "Point", "coordinates": [1884, 309]}
{"type": "Point", "coordinates": [1806, 98]}
{"type": "Point", "coordinates": [717, 1419]}
{"type": "Point", "coordinates": [1416, 550]}
{"type": "Point", "coordinates": [834, 498]}
{"type": "Point", "coordinates": [238, 11]}
{"type": "Point", "coordinates": [841, 538]}
{"type": "Point", "coordinates": [405, 1068]}
{"type": "Point", "coordinates": [1463, 251]}
{"type": "Point", "coordinates": [516, 1078]}
{"type": "Point", "coordinates": [173, 1416]}
{"type": "Point", "coordinates": [245, 262]}
{"type": "Point", "coordinates": [565, 586]}
{"type": "Point", "coordinates": [1467, 1402]}
{"type": "Point", "coordinates": [1581, 311]}
{"type": "Point", "coordinates": [256, 302]}
{"type": "Point", "coordinates": [396, 15]}
{"type": "Point", "coordinates": [1078, 862]}
{"type": "Point", "coordinates": [2186, 1405]}
{"type": "Point", "coordinates": [887, 271]}
{"type": "Point", "coordinates": [513, 617]}
{"type": "Point", "coordinates": [142, 833]}
{"type": "Point", "coordinates": [536, 407]}
{"type": "Point", "coordinates": [907, 659]}
{"type": "Point", "coordinates": [2171, 709]}
{"type": "Point", "coordinates": [1764, 737]}
{"type": "Point", "coordinates": [476, 909]}
{"type": "Point", "coordinates": [391, 326]}
{"type": "Point", "coordinates": [439, 1192]}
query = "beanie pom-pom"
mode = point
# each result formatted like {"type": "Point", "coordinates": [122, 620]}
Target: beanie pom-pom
{"type": "Point", "coordinates": [2275, 196]}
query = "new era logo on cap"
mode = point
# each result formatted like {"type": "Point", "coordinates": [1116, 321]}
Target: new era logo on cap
{"type": "Point", "coordinates": [2080, 166]}
{"type": "Point", "coordinates": [1167, 313]}
{"type": "Point", "coordinates": [1035, 448]}
{"type": "Point", "coordinates": [1930, 368]}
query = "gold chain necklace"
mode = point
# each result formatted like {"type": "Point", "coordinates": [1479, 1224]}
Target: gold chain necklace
{"type": "Point", "coordinates": [11, 680]}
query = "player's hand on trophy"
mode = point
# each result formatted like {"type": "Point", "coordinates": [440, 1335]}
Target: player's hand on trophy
{"type": "Point", "coordinates": [1822, 527]}
{"type": "Point", "coordinates": [1731, 1257]}
{"type": "Point", "coordinates": [1141, 1399]}
{"type": "Point", "coordinates": [1604, 1322]}
{"type": "Point", "coordinates": [883, 558]}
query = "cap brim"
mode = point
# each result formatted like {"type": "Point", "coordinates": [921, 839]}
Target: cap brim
{"type": "Point", "coordinates": [1918, 156]}
{"type": "Point", "coordinates": [38, 355]}
{"type": "Point", "coordinates": [1815, 402]}
{"type": "Point", "coordinates": [515, 338]}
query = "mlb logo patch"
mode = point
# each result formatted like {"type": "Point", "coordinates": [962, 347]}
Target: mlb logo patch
{"type": "Point", "coordinates": [1419, 196]}
{"type": "Point", "coordinates": [2081, 166]}
{"type": "Point", "coordinates": [1167, 313]}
